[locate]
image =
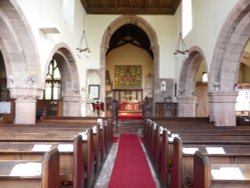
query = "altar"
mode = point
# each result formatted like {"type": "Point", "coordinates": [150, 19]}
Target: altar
{"type": "Point", "coordinates": [130, 110]}
{"type": "Point", "coordinates": [130, 104]}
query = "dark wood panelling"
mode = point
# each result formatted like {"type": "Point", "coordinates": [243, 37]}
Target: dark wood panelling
{"type": "Point", "coordinates": [131, 6]}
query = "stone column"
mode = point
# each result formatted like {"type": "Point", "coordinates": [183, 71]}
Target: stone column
{"type": "Point", "coordinates": [72, 105]}
{"type": "Point", "coordinates": [25, 111]}
{"type": "Point", "coordinates": [222, 108]}
{"type": "Point", "coordinates": [186, 106]}
{"type": "Point", "coordinates": [25, 104]}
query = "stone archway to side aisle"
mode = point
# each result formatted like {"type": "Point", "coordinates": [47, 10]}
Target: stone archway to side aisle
{"type": "Point", "coordinates": [225, 63]}
{"type": "Point", "coordinates": [71, 99]}
{"type": "Point", "coordinates": [187, 83]}
{"type": "Point", "coordinates": [21, 61]}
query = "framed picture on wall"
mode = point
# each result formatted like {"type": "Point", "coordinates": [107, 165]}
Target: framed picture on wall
{"type": "Point", "coordinates": [94, 91]}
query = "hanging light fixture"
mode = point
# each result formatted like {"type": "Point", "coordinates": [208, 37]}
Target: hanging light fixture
{"type": "Point", "coordinates": [83, 48]}
{"type": "Point", "coordinates": [181, 48]}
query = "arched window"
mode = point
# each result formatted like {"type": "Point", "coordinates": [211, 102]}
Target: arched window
{"type": "Point", "coordinates": [53, 82]}
{"type": "Point", "coordinates": [204, 77]}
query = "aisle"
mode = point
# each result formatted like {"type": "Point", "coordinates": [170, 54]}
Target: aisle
{"type": "Point", "coordinates": [131, 168]}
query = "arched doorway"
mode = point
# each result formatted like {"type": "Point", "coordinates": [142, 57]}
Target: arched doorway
{"type": "Point", "coordinates": [120, 28]}
{"type": "Point", "coordinates": [225, 64]}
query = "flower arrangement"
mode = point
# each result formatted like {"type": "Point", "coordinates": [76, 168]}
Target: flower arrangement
{"type": "Point", "coordinates": [90, 99]}
{"type": "Point", "coordinates": [168, 99]}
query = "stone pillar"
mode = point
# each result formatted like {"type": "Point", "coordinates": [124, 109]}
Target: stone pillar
{"type": "Point", "coordinates": [72, 105]}
{"type": "Point", "coordinates": [186, 106]}
{"type": "Point", "coordinates": [25, 111]}
{"type": "Point", "coordinates": [25, 104]}
{"type": "Point", "coordinates": [222, 108]}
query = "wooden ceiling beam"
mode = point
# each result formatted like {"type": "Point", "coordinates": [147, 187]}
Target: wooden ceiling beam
{"type": "Point", "coordinates": [131, 10]}
{"type": "Point", "coordinates": [160, 7]}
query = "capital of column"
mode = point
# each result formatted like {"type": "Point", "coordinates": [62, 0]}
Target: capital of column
{"type": "Point", "coordinates": [186, 99]}
{"type": "Point", "coordinates": [71, 98]}
{"type": "Point", "coordinates": [223, 96]}
{"type": "Point", "coordinates": [25, 93]}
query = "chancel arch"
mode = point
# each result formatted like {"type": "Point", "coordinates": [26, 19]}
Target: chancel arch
{"type": "Point", "coordinates": [121, 27]}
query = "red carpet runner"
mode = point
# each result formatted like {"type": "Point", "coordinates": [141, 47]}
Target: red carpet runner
{"type": "Point", "coordinates": [131, 168]}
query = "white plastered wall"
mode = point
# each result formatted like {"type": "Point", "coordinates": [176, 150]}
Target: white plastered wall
{"type": "Point", "coordinates": [164, 27]}
{"type": "Point", "coordinates": [208, 19]}
{"type": "Point", "coordinates": [47, 13]}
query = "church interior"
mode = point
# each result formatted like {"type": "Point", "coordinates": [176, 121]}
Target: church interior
{"type": "Point", "coordinates": [111, 93]}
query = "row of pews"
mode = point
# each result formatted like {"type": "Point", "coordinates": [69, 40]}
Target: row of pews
{"type": "Point", "coordinates": [54, 152]}
{"type": "Point", "coordinates": [191, 152]}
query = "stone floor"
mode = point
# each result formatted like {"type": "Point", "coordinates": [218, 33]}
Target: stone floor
{"type": "Point", "coordinates": [130, 127]}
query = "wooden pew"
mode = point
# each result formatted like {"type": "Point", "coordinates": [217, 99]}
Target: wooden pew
{"type": "Point", "coordinates": [106, 127]}
{"type": "Point", "coordinates": [201, 139]}
{"type": "Point", "coordinates": [71, 159]}
{"type": "Point", "coordinates": [31, 174]}
{"type": "Point", "coordinates": [159, 150]}
{"type": "Point", "coordinates": [199, 120]}
{"type": "Point", "coordinates": [182, 161]}
{"type": "Point", "coordinates": [87, 157]}
{"type": "Point", "coordinates": [63, 129]}
{"type": "Point", "coordinates": [210, 175]}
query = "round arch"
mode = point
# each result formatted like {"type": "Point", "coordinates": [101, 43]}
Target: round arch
{"type": "Point", "coordinates": [189, 69]}
{"type": "Point", "coordinates": [18, 46]}
{"type": "Point", "coordinates": [21, 60]}
{"type": "Point", "coordinates": [69, 79]}
{"type": "Point", "coordinates": [145, 26]}
{"type": "Point", "coordinates": [186, 94]}
{"type": "Point", "coordinates": [231, 42]}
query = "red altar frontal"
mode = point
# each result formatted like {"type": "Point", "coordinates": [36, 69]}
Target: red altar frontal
{"type": "Point", "coordinates": [130, 104]}
{"type": "Point", "coordinates": [130, 110]}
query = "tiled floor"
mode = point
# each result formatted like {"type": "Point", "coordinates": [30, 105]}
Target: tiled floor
{"type": "Point", "coordinates": [133, 127]}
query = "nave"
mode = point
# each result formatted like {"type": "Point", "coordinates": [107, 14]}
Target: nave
{"type": "Point", "coordinates": [176, 154]}
{"type": "Point", "coordinates": [124, 127]}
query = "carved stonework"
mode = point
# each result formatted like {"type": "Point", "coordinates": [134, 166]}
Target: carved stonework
{"type": "Point", "coordinates": [222, 108]}
{"type": "Point", "coordinates": [25, 93]}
